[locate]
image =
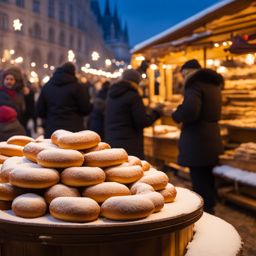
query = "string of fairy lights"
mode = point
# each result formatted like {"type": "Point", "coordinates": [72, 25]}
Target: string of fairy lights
{"type": "Point", "coordinates": [8, 58]}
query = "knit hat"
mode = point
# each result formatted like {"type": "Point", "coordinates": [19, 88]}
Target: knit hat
{"type": "Point", "coordinates": [7, 114]}
{"type": "Point", "coordinates": [191, 64]}
{"type": "Point", "coordinates": [69, 67]}
{"type": "Point", "coordinates": [131, 75]}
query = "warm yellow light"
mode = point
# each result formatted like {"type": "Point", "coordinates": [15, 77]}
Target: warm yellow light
{"type": "Point", "coordinates": [17, 24]}
{"type": "Point", "coordinates": [210, 62]}
{"type": "Point", "coordinates": [164, 66]}
{"type": "Point", "coordinates": [108, 62]}
{"type": "Point", "coordinates": [216, 63]}
{"type": "Point", "coordinates": [52, 67]}
{"type": "Point", "coordinates": [87, 65]}
{"type": "Point", "coordinates": [153, 66]}
{"type": "Point", "coordinates": [32, 64]}
{"type": "Point", "coordinates": [46, 65]}
{"type": "Point", "coordinates": [249, 59]}
{"type": "Point", "coordinates": [19, 60]}
{"type": "Point", "coordinates": [129, 66]}
{"type": "Point", "coordinates": [95, 56]}
{"type": "Point", "coordinates": [216, 45]}
{"type": "Point", "coordinates": [140, 58]}
{"type": "Point", "coordinates": [46, 79]}
{"type": "Point", "coordinates": [12, 51]}
{"type": "Point", "coordinates": [225, 43]}
{"type": "Point", "coordinates": [71, 56]}
{"type": "Point", "coordinates": [144, 76]}
{"type": "Point", "coordinates": [222, 69]}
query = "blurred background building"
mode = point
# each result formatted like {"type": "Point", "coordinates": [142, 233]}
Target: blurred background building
{"type": "Point", "coordinates": [39, 35]}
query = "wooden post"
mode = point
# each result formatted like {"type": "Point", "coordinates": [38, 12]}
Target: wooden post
{"type": "Point", "coordinates": [151, 77]}
{"type": "Point", "coordinates": [162, 84]}
{"type": "Point", "coordinates": [169, 82]}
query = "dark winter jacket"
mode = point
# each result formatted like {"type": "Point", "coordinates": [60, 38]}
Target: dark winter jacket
{"type": "Point", "coordinates": [63, 102]}
{"type": "Point", "coordinates": [200, 142]}
{"type": "Point", "coordinates": [9, 129]}
{"type": "Point", "coordinates": [126, 117]}
{"type": "Point", "coordinates": [97, 116]}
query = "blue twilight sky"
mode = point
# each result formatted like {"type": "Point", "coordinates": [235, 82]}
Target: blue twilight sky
{"type": "Point", "coordinates": [147, 18]}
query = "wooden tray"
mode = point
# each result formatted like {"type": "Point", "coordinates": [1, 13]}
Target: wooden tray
{"type": "Point", "coordinates": [240, 164]}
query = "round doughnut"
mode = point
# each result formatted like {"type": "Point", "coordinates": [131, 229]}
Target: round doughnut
{"type": "Point", "coordinates": [60, 158]}
{"type": "Point", "coordinates": [127, 207]}
{"type": "Point", "coordinates": [29, 206]}
{"type": "Point", "coordinates": [169, 193]}
{"type": "Point", "coordinates": [82, 176]}
{"type": "Point", "coordinates": [5, 205]}
{"type": "Point", "coordinates": [156, 198]}
{"type": "Point", "coordinates": [31, 150]}
{"type": "Point", "coordinates": [103, 191]}
{"type": "Point", "coordinates": [9, 192]}
{"type": "Point", "coordinates": [140, 188]}
{"type": "Point", "coordinates": [3, 158]}
{"type": "Point", "coordinates": [124, 174]}
{"type": "Point", "coordinates": [55, 136]}
{"type": "Point", "coordinates": [74, 209]}
{"type": "Point", "coordinates": [158, 180]}
{"type": "Point", "coordinates": [9, 165]}
{"type": "Point", "coordinates": [133, 160]}
{"type": "Point", "coordinates": [100, 146]}
{"type": "Point", "coordinates": [106, 158]}
{"type": "Point", "coordinates": [19, 140]}
{"type": "Point", "coordinates": [29, 177]}
{"type": "Point", "coordinates": [78, 140]}
{"type": "Point", "coordinates": [145, 165]}
{"type": "Point", "coordinates": [60, 190]}
{"type": "Point", "coordinates": [10, 149]}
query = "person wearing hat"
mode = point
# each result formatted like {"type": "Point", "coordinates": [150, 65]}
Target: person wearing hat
{"type": "Point", "coordinates": [63, 101]}
{"type": "Point", "coordinates": [200, 143]}
{"type": "Point", "coordinates": [9, 125]}
{"type": "Point", "coordinates": [126, 115]}
{"type": "Point", "coordinates": [11, 89]}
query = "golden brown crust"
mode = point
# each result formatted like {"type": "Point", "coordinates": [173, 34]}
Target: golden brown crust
{"type": "Point", "coordinates": [124, 174]}
{"type": "Point", "coordinates": [82, 176]}
{"type": "Point", "coordinates": [103, 191]}
{"type": "Point", "coordinates": [156, 198]}
{"type": "Point", "coordinates": [145, 165]}
{"type": "Point", "coordinates": [169, 193]}
{"type": "Point", "coordinates": [3, 158]}
{"type": "Point", "coordinates": [79, 140]}
{"type": "Point", "coordinates": [127, 207]}
{"type": "Point", "coordinates": [140, 188]}
{"type": "Point", "coordinates": [56, 135]}
{"type": "Point", "coordinates": [133, 160]}
{"type": "Point", "coordinates": [100, 146]}
{"type": "Point", "coordinates": [158, 180]}
{"type": "Point", "coordinates": [30, 177]}
{"type": "Point", "coordinates": [60, 190]}
{"type": "Point", "coordinates": [74, 209]}
{"type": "Point", "coordinates": [8, 192]}
{"type": "Point", "coordinates": [32, 149]}
{"type": "Point", "coordinates": [60, 158]}
{"type": "Point", "coordinates": [10, 149]}
{"type": "Point", "coordinates": [106, 158]}
{"type": "Point", "coordinates": [9, 165]}
{"type": "Point", "coordinates": [29, 206]}
{"type": "Point", "coordinates": [20, 140]}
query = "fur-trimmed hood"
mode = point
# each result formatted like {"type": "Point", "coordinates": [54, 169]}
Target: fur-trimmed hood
{"type": "Point", "coordinates": [205, 76]}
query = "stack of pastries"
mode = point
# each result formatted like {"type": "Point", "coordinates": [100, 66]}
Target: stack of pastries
{"type": "Point", "coordinates": [77, 178]}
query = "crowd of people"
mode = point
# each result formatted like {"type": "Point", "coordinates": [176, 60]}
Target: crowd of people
{"type": "Point", "coordinates": [115, 110]}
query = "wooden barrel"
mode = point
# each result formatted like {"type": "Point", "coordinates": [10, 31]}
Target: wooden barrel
{"type": "Point", "coordinates": [166, 233]}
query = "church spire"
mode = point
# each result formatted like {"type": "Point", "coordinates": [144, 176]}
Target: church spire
{"type": "Point", "coordinates": [126, 33]}
{"type": "Point", "coordinates": [96, 10]}
{"type": "Point", "coordinates": [107, 9]}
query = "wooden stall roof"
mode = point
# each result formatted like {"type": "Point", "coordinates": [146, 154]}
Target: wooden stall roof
{"type": "Point", "coordinates": [222, 18]}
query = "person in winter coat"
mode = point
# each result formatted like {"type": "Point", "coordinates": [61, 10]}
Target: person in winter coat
{"type": "Point", "coordinates": [126, 116]}
{"type": "Point", "coordinates": [9, 125]}
{"type": "Point", "coordinates": [11, 89]}
{"type": "Point", "coordinates": [63, 101]}
{"type": "Point", "coordinates": [96, 121]}
{"type": "Point", "coordinates": [200, 143]}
